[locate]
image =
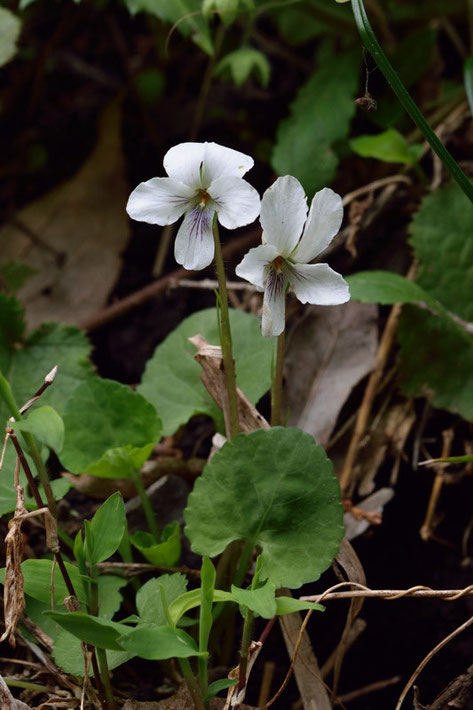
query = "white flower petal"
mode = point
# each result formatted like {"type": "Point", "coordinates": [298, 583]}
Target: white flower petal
{"type": "Point", "coordinates": [237, 201]}
{"type": "Point", "coordinates": [323, 223]}
{"type": "Point", "coordinates": [194, 245]}
{"type": "Point", "coordinates": [183, 162]}
{"type": "Point", "coordinates": [253, 265]}
{"type": "Point", "coordinates": [283, 213]}
{"type": "Point", "coordinates": [220, 161]}
{"type": "Point", "coordinates": [159, 201]}
{"type": "Point", "coordinates": [274, 305]}
{"type": "Point", "coordinates": [318, 284]}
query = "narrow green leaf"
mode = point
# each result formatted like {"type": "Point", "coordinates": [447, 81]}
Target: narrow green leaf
{"type": "Point", "coordinates": [108, 526]}
{"type": "Point", "coordinates": [287, 605]}
{"type": "Point", "coordinates": [159, 643]}
{"type": "Point", "coordinates": [275, 489]}
{"type": "Point", "coordinates": [190, 600]}
{"type": "Point", "coordinates": [386, 288]}
{"type": "Point", "coordinates": [90, 629]}
{"type": "Point", "coordinates": [46, 425]}
{"type": "Point", "coordinates": [468, 80]}
{"type": "Point", "coordinates": [219, 685]}
{"type": "Point", "coordinates": [37, 581]}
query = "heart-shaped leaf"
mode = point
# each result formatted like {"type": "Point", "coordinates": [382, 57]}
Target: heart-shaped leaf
{"type": "Point", "coordinates": [109, 430]}
{"type": "Point", "coordinates": [276, 490]}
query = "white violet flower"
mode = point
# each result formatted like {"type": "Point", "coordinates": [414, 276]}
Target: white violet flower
{"type": "Point", "coordinates": [204, 179]}
{"type": "Point", "coordinates": [288, 247]}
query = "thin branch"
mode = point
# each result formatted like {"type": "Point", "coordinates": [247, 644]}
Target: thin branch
{"type": "Point", "coordinates": [360, 590]}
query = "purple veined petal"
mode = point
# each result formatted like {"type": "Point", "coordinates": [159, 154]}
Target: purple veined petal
{"type": "Point", "coordinates": [160, 201]}
{"type": "Point", "coordinates": [254, 264]}
{"type": "Point", "coordinates": [323, 223]}
{"type": "Point", "coordinates": [238, 203]}
{"type": "Point", "coordinates": [219, 161]}
{"type": "Point", "coordinates": [194, 245]}
{"type": "Point", "coordinates": [274, 304]}
{"type": "Point", "coordinates": [183, 162]}
{"type": "Point", "coordinates": [283, 213]}
{"type": "Point", "coordinates": [318, 284]}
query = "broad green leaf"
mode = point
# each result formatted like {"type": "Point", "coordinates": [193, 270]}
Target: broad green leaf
{"type": "Point", "coordinates": [52, 344]}
{"type": "Point", "coordinates": [109, 430]}
{"type": "Point", "coordinates": [389, 146]}
{"type": "Point", "coordinates": [13, 274]}
{"type": "Point", "coordinates": [319, 117]}
{"type": "Point", "coordinates": [90, 629]}
{"type": "Point", "coordinates": [288, 504]}
{"type": "Point", "coordinates": [226, 9]}
{"type": "Point", "coordinates": [10, 28]}
{"type": "Point", "coordinates": [159, 643]}
{"type": "Point", "coordinates": [287, 605]}
{"type": "Point", "coordinates": [67, 654]}
{"type": "Point", "coordinates": [148, 598]}
{"type": "Point", "coordinates": [46, 425]}
{"type": "Point", "coordinates": [243, 62]}
{"type": "Point", "coordinates": [186, 15]}
{"type": "Point", "coordinates": [219, 685]}
{"type": "Point", "coordinates": [172, 377]}
{"type": "Point", "coordinates": [436, 356]}
{"type": "Point", "coordinates": [163, 554]}
{"type": "Point", "coordinates": [386, 288]}
{"type": "Point", "coordinates": [37, 581]}
{"type": "Point", "coordinates": [108, 526]}
{"type": "Point", "coordinates": [262, 601]}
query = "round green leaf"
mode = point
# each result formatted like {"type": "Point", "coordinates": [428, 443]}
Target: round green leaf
{"type": "Point", "coordinates": [172, 377]}
{"type": "Point", "coordinates": [274, 489]}
{"type": "Point", "coordinates": [109, 430]}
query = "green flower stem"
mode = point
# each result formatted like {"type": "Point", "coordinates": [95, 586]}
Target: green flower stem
{"type": "Point", "coordinates": [105, 678]}
{"type": "Point", "coordinates": [369, 39]}
{"type": "Point", "coordinates": [7, 396]}
{"type": "Point", "coordinates": [233, 425]}
{"type": "Point", "coordinates": [276, 388]}
{"type": "Point", "coordinates": [244, 563]}
{"type": "Point", "coordinates": [102, 674]}
{"type": "Point", "coordinates": [191, 684]}
{"type": "Point", "coordinates": [245, 644]}
{"type": "Point", "coordinates": [147, 507]}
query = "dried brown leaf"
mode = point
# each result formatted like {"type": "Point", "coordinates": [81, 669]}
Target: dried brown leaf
{"type": "Point", "coordinates": [74, 235]}
{"type": "Point", "coordinates": [331, 350]}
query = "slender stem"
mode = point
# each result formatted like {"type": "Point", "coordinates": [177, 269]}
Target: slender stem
{"type": "Point", "coordinates": [233, 425]}
{"type": "Point", "coordinates": [191, 684]}
{"type": "Point", "coordinates": [7, 396]}
{"type": "Point", "coordinates": [147, 507]}
{"type": "Point", "coordinates": [374, 48]}
{"type": "Point", "coordinates": [276, 389]}
{"type": "Point", "coordinates": [206, 83]}
{"type": "Point", "coordinates": [98, 679]}
{"type": "Point", "coordinates": [244, 563]}
{"type": "Point", "coordinates": [245, 644]}
{"type": "Point", "coordinates": [105, 677]}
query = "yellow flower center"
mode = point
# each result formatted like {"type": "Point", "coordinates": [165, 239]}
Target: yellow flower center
{"type": "Point", "coordinates": [204, 198]}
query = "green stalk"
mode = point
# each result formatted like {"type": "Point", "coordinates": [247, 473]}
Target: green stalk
{"type": "Point", "coordinates": [244, 563]}
{"type": "Point", "coordinates": [191, 684]}
{"type": "Point", "coordinates": [147, 507]}
{"type": "Point", "coordinates": [276, 388]}
{"type": "Point", "coordinates": [104, 676]}
{"type": "Point", "coordinates": [7, 396]}
{"type": "Point", "coordinates": [369, 40]}
{"type": "Point", "coordinates": [233, 425]}
{"type": "Point", "coordinates": [245, 644]}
